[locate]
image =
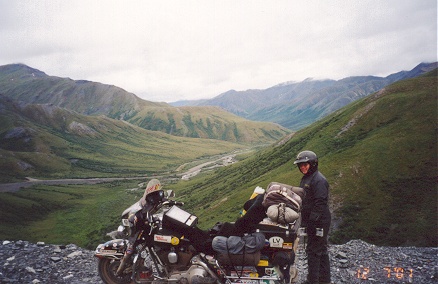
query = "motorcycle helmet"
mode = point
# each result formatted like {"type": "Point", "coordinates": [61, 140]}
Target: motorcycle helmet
{"type": "Point", "coordinates": [307, 157]}
{"type": "Point", "coordinates": [153, 193]}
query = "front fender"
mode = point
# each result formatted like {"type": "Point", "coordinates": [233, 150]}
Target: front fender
{"type": "Point", "coordinates": [111, 249]}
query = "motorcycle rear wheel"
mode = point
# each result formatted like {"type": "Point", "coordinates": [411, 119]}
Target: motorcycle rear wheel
{"type": "Point", "coordinates": [107, 271]}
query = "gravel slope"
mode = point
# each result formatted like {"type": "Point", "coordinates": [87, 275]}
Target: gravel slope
{"type": "Point", "coordinates": [24, 262]}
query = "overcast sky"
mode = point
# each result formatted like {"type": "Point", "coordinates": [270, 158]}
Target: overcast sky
{"type": "Point", "coordinates": [174, 50]}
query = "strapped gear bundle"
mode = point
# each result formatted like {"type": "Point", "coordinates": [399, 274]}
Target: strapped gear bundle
{"type": "Point", "coordinates": [283, 202]}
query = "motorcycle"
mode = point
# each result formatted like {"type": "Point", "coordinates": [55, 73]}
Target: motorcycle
{"type": "Point", "coordinates": [162, 253]}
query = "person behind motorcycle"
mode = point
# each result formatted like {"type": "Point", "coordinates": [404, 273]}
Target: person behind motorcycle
{"type": "Point", "coordinates": [315, 216]}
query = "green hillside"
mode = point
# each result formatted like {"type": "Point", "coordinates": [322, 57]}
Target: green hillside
{"type": "Point", "coordinates": [379, 155]}
{"type": "Point", "coordinates": [45, 141]}
{"type": "Point", "coordinates": [207, 122]}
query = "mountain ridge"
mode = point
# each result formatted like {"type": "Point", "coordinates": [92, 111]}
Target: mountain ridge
{"type": "Point", "coordinates": [26, 84]}
{"type": "Point", "coordinates": [295, 105]}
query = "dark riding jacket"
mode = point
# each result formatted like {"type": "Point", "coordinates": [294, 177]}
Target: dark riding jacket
{"type": "Point", "coordinates": [315, 205]}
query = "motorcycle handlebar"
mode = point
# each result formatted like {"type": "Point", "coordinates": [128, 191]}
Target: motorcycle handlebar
{"type": "Point", "coordinates": [172, 202]}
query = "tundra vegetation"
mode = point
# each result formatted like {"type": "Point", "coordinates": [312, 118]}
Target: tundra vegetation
{"type": "Point", "coordinates": [379, 154]}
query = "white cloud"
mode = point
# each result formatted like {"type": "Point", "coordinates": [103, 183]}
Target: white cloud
{"type": "Point", "coordinates": [171, 50]}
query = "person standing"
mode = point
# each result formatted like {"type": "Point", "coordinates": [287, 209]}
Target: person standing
{"type": "Point", "coordinates": [316, 217]}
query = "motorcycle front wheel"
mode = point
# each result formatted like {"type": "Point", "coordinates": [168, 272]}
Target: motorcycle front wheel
{"type": "Point", "coordinates": [107, 271]}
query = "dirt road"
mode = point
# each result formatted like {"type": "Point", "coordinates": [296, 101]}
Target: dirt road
{"type": "Point", "coordinates": [13, 187]}
{"type": "Point", "coordinates": [226, 160]}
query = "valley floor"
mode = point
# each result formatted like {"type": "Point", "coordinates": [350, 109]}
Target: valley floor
{"type": "Point", "coordinates": [217, 162]}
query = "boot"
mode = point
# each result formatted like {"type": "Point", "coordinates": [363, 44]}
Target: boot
{"type": "Point", "coordinates": [313, 262]}
{"type": "Point", "coordinates": [324, 270]}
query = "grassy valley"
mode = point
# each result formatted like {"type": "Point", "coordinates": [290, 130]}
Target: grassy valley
{"type": "Point", "coordinates": [79, 214]}
{"type": "Point", "coordinates": [45, 141]}
{"type": "Point", "coordinates": [378, 153]}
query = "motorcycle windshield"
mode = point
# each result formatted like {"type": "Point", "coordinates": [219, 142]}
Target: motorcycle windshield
{"type": "Point", "coordinates": [133, 208]}
{"type": "Point", "coordinates": [152, 186]}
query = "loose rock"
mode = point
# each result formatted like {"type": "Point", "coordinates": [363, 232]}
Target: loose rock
{"type": "Point", "coordinates": [360, 262]}
{"type": "Point", "coordinates": [351, 263]}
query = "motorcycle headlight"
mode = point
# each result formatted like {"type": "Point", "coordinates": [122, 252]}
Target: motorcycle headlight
{"type": "Point", "coordinates": [99, 248]}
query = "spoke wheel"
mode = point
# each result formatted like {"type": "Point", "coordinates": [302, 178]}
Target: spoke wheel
{"type": "Point", "coordinates": [107, 271]}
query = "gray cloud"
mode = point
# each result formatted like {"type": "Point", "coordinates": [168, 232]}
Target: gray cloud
{"type": "Point", "coordinates": [171, 50]}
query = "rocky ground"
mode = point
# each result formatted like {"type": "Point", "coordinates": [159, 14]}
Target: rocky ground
{"type": "Point", "coordinates": [360, 262]}
{"type": "Point", "coordinates": [353, 262]}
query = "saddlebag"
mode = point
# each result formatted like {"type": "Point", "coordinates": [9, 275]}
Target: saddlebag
{"type": "Point", "coordinates": [239, 251]}
{"type": "Point", "coordinates": [247, 259]}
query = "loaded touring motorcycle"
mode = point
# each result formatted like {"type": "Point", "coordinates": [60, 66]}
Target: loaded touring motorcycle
{"type": "Point", "coordinates": [159, 251]}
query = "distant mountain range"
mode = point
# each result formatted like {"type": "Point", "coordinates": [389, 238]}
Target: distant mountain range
{"type": "Point", "coordinates": [24, 84]}
{"type": "Point", "coordinates": [298, 104]}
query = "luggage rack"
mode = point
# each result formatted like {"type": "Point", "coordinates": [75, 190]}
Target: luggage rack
{"type": "Point", "coordinates": [244, 277]}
